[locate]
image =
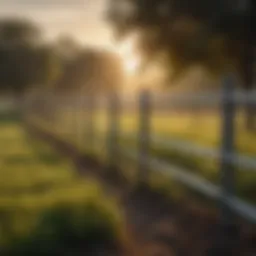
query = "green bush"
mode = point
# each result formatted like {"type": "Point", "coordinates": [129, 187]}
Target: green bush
{"type": "Point", "coordinates": [45, 206]}
{"type": "Point", "coordinates": [69, 228]}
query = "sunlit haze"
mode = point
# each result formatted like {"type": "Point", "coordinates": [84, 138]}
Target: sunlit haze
{"type": "Point", "coordinates": [131, 60]}
{"type": "Point", "coordinates": [81, 19]}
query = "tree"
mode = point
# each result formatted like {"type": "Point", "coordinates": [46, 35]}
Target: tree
{"type": "Point", "coordinates": [24, 60]}
{"type": "Point", "coordinates": [67, 48]}
{"type": "Point", "coordinates": [92, 71]}
{"type": "Point", "coordinates": [19, 31]}
{"type": "Point", "coordinates": [48, 65]}
{"type": "Point", "coordinates": [218, 35]}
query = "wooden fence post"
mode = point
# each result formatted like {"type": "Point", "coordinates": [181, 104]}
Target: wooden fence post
{"type": "Point", "coordinates": [54, 110]}
{"type": "Point", "coordinates": [227, 236]}
{"type": "Point", "coordinates": [76, 108]}
{"type": "Point", "coordinates": [90, 122]}
{"type": "Point", "coordinates": [114, 108]}
{"type": "Point", "coordinates": [70, 116]}
{"type": "Point", "coordinates": [144, 135]}
{"type": "Point", "coordinates": [79, 119]}
{"type": "Point", "coordinates": [227, 171]}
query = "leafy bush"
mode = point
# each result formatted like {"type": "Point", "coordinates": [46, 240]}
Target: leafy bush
{"type": "Point", "coordinates": [72, 228]}
{"type": "Point", "coordinates": [45, 207]}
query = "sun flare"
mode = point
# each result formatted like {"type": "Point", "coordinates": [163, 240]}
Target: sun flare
{"type": "Point", "coordinates": [130, 59]}
{"type": "Point", "coordinates": [131, 65]}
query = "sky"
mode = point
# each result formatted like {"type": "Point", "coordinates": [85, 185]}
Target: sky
{"type": "Point", "coordinates": [82, 19]}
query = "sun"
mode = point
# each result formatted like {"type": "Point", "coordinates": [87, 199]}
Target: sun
{"type": "Point", "coordinates": [131, 60]}
{"type": "Point", "coordinates": [131, 65]}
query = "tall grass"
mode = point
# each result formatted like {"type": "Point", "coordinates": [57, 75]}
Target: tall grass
{"type": "Point", "coordinates": [203, 129]}
{"type": "Point", "coordinates": [45, 207]}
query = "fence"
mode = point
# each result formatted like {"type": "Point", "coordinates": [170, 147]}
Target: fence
{"type": "Point", "coordinates": [228, 101]}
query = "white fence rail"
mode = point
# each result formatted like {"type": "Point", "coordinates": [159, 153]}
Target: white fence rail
{"type": "Point", "coordinates": [227, 102]}
{"type": "Point", "coordinates": [198, 184]}
{"type": "Point", "coordinates": [247, 163]}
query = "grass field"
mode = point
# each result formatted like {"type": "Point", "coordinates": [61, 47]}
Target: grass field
{"type": "Point", "coordinates": [45, 207]}
{"type": "Point", "coordinates": [200, 129]}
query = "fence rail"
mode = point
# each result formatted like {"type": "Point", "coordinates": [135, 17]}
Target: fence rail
{"type": "Point", "coordinates": [227, 102]}
{"type": "Point", "coordinates": [248, 163]}
{"type": "Point", "coordinates": [205, 99]}
{"type": "Point", "coordinates": [199, 184]}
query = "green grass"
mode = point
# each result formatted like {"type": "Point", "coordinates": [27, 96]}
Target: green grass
{"type": "Point", "coordinates": [200, 129]}
{"type": "Point", "coordinates": [45, 207]}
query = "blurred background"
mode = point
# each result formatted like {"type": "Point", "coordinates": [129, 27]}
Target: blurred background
{"type": "Point", "coordinates": [122, 121]}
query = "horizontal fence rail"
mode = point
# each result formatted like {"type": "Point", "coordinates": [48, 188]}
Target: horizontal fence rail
{"type": "Point", "coordinates": [180, 174]}
{"type": "Point", "coordinates": [143, 105]}
{"type": "Point", "coordinates": [166, 99]}
{"type": "Point", "coordinates": [197, 183]}
{"type": "Point", "coordinates": [249, 163]}
{"type": "Point", "coordinates": [207, 98]}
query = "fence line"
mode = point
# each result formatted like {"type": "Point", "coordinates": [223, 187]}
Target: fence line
{"type": "Point", "coordinates": [180, 174]}
{"type": "Point", "coordinates": [197, 183]}
{"type": "Point", "coordinates": [205, 98]}
{"type": "Point", "coordinates": [200, 151]}
{"type": "Point", "coordinates": [228, 100]}
{"type": "Point", "coordinates": [168, 98]}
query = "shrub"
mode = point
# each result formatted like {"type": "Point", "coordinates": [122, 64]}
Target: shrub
{"type": "Point", "coordinates": [69, 228]}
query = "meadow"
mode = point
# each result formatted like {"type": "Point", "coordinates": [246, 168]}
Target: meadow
{"type": "Point", "coordinates": [200, 129]}
{"type": "Point", "coordinates": [45, 207]}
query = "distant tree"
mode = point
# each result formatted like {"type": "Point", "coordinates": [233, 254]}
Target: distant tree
{"type": "Point", "coordinates": [49, 65]}
{"type": "Point", "coordinates": [93, 71]}
{"type": "Point", "coordinates": [67, 47]}
{"type": "Point", "coordinates": [219, 35]}
{"type": "Point", "coordinates": [24, 60]}
{"type": "Point", "coordinates": [15, 31]}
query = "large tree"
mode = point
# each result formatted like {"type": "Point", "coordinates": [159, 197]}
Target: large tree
{"type": "Point", "coordinates": [67, 47]}
{"type": "Point", "coordinates": [92, 71]}
{"type": "Point", "coordinates": [219, 35]}
{"type": "Point", "coordinates": [24, 59]}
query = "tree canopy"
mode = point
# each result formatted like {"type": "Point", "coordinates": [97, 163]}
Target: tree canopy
{"type": "Point", "coordinates": [19, 31]}
{"type": "Point", "coordinates": [92, 71]}
{"type": "Point", "coordinates": [218, 35]}
{"type": "Point", "coordinates": [24, 59]}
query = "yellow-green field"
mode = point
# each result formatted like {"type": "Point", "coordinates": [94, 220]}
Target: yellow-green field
{"type": "Point", "coordinates": [43, 201]}
{"type": "Point", "coordinates": [200, 129]}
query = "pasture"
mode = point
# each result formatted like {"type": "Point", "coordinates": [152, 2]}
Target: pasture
{"type": "Point", "coordinates": [44, 204]}
{"type": "Point", "coordinates": [90, 134]}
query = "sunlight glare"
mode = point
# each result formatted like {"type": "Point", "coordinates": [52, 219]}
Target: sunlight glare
{"type": "Point", "coordinates": [130, 59]}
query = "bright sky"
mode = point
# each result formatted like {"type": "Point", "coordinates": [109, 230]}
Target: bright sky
{"type": "Point", "coordinates": [82, 19]}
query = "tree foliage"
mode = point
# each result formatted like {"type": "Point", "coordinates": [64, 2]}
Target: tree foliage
{"type": "Point", "coordinates": [67, 48]}
{"type": "Point", "coordinates": [92, 71]}
{"type": "Point", "coordinates": [218, 35]}
{"type": "Point", "coordinates": [24, 60]}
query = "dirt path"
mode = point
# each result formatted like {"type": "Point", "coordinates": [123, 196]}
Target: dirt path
{"type": "Point", "coordinates": [155, 225]}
